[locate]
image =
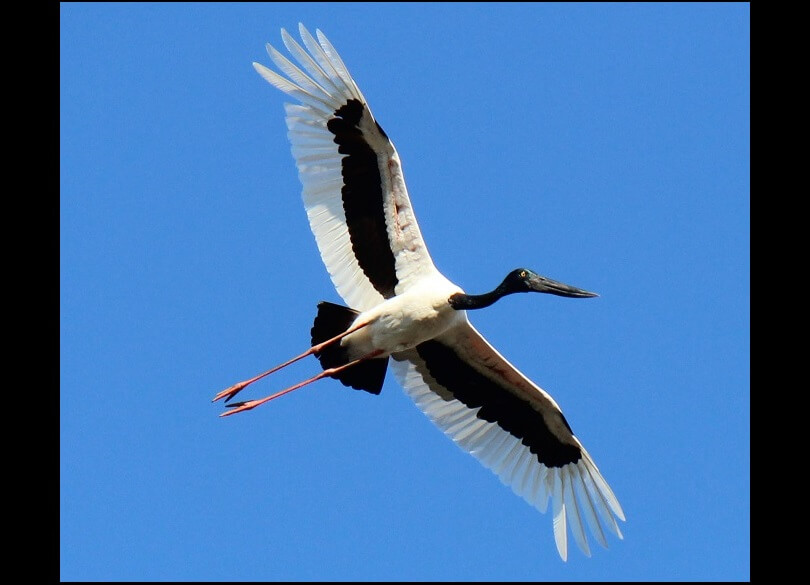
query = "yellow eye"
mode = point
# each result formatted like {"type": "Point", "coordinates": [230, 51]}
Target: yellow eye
{"type": "Point", "coordinates": [522, 274]}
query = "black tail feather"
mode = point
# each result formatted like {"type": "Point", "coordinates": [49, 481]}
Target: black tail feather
{"type": "Point", "coordinates": [333, 320]}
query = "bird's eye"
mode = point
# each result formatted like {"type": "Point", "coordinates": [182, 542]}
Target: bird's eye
{"type": "Point", "coordinates": [522, 274]}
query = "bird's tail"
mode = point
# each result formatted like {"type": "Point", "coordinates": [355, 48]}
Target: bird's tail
{"type": "Point", "coordinates": [333, 320]}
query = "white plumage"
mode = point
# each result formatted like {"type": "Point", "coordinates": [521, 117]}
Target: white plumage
{"type": "Point", "coordinates": [366, 231]}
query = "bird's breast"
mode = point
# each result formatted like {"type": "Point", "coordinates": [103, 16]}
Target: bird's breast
{"type": "Point", "coordinates": [405, 321]}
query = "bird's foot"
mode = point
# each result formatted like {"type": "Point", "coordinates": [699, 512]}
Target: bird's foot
{"type": "Point", "coordinates": [230, 392]}
{"type": "Point", "coordinates": [241, 407]}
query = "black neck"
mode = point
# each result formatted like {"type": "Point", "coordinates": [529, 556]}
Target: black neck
{"type": "Point", "coordinates": [462, 302]}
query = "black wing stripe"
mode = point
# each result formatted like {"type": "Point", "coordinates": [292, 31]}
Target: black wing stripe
{"type": "Point", "coordinates": [363, 199]}
{"type": "Point", "coordinates": [498, 405]}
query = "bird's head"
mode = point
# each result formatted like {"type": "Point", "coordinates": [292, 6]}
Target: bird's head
{"type": "Point", "coordinates": [525, 280]}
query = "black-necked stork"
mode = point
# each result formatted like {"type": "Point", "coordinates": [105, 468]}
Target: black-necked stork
{"type": "Point", "coordinates": [403, 308]}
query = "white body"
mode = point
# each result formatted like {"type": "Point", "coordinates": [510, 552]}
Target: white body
{"type": "Point", "coordinates": [406, 320]}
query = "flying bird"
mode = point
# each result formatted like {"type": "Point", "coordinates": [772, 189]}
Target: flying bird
{"type": "Point", "coordinates": [401, 307]}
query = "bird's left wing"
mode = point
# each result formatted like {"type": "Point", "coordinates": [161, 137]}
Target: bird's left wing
{"type": "Point", "coordinates": [353, 188]}
{"type": "Point", "coordinates": [512, 426]}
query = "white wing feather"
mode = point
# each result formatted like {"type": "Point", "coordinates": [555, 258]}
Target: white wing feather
{"type": "Point", "coordinates": [322, 84]}
{"type": "Point", "coordinates": [575, 489]}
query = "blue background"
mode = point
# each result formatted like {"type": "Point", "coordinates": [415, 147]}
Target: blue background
{"type": "Point", "coordinates": [606, 146]}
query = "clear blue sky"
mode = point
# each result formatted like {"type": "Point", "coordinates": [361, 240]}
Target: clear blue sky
{"type": "Point", "coordinates": [606, 146]}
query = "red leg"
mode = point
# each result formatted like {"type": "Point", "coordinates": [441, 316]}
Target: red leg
{"type": "Point", "coordinates": [232, 391]}
{"type": "Point", "coordinates": [251, 404]}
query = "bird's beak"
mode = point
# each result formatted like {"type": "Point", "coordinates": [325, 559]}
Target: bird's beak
{"type": "Point", "coordinates": [546, 285]}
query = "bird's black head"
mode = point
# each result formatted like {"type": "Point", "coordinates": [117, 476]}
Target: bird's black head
{"type": "Point", "coordinates": [520, 280]}
{"type": "Point", "coordinates": [525, 280]}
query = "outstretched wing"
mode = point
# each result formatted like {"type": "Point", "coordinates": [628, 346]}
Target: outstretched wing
{"type": "Point", "coordinates": [513, 427]}
{"type": "Point", "coordinates": [354, 191]}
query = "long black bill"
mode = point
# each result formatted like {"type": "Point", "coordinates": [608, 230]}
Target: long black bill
{"type": "Point", "coordinates": [546, 285]}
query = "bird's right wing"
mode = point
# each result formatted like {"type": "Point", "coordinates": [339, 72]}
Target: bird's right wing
{"type": "Point", "coordinates": [354, 191]}
{"type": "Point", "coordinates": [513, 427]}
